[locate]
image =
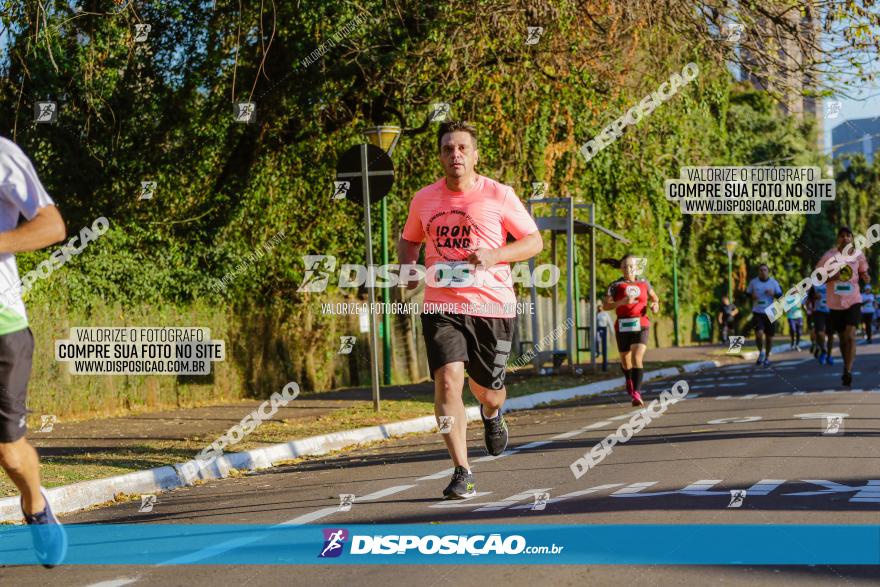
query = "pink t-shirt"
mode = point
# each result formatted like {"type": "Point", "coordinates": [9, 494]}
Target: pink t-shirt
{"type": "Point", "coordinates": [455, 224]}
{"type": "Point", "coordinates": [843, 288]}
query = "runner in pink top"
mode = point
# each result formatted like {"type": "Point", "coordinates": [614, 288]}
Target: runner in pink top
{"type": "Point", "coordinates": [470, 306]}
{"type": "Point", "coordinates": [455, 225]}
{"type": "Point", "coordinates": [844, 297]}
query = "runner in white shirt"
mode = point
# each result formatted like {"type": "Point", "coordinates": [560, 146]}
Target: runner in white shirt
{"type": "Point", "coordinates": [22, 194]}
{"type": "Point", "coordinates": [763, 289]}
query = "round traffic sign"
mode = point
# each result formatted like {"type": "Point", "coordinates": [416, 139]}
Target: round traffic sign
{"type": "Point", "coordinates": [380, 173]}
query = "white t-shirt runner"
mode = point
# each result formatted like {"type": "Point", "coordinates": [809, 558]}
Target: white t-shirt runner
{"type": "Point", "coordinates": [21, 193]}
{"type": "Point", "coordinates": [766, 292]}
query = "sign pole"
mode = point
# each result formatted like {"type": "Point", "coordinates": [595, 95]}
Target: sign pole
{"type": "Point", "coordinates": [374, 327]}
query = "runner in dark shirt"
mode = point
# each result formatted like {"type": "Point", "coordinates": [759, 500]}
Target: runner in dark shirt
{"type": "Point", "coordinates": [726, 318]}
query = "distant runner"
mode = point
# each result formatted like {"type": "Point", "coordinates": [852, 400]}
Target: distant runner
{"type": "Point", "coordinates": [795, 316]}
{"type": "Point", "coordinates": [628, 297]}
{"type": "Point", "coordinates": [868, 312]}
{"type": "Point", "coordinates": [844, 298]}
{"type": "Point", "coordinates": [821, 313]}
{"type": "Point", "coordinates": [763, 289]}
{"type": "Point", "coordinates": [726, 318]}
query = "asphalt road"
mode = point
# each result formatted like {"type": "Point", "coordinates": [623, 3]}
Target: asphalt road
{"type": "Point", "coordinates": [742, 427]}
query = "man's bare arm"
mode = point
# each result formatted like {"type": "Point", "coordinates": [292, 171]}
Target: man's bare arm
{"type": "Point", "coordinates": [408, 254]}
{"type": "Point", "coordinates": [44, 229]}
{"type": "Point", "coordinates": [519, 250]}
{"type": "Point", "coordinates": [408, 251]}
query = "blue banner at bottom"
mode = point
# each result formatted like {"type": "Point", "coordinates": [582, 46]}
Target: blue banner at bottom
{"type": "Point", "coordinates": [431, 544]}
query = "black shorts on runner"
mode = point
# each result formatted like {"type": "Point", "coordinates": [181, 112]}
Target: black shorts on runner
{"type": "Point", "coordinates": [626, 339]}
{"type": "Point", "coordinates": [482, 344]}
{"type": "Point", "coordinates": [838, 320]}
{"type": "Point", "coordinates": [820, 319]}
{"type": "Point", "coordinates": [762, 323]}
{"type": "Point", "coordinates": [16, 354]}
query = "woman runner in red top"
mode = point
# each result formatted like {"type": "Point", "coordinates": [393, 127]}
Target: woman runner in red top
{"type": "Point", "coordinates": [628, 297]}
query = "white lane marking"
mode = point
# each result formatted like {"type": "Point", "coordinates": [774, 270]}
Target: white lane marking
{"type": "Point", "coordinates": [739, 420]}
{"type": "Point", "coordinates": [867, 493]}
{"type": "Point", "coordinates": [506, 453]}
{"type": "Point", "coordinates": [571, 495]}
{"type": "Point", "coordinates": [460, 503]}
{"type": "Point", "coordinates": [713, 385]}
{"type": "Point", "coordinates": [532, 445]}
{"type": "Point", "coordinates": [622, 417]}
{"type": "Point", "coordinates": [115, 582]}
{"type": "Point", "coordinates": [438, 475]}
{"type": "Point", "coordinates": [566, 435]}
{"type": "Point", "coordinates": [701, 488]}
{"type": "Point", "coordinates": [595, 425]}
{"type": "Point", "coordinates": [222, 547]}
{"type": "Point", "coordinates": [212, 550]}
{"type": "Point", "coordinates": [691, 396]}
{"type": "Point", "coordinates": [311, 516]}
{"type": "Point", "coordinates": [634, 488]}
{"type": "Point", "coordinates": [508, 501]}
{"type": "Point", "coordinates": [821, 415]}
{"type": "Point", "coordinates": [792, 363]}
{"type": "Point", "coordinates": [384, 493]}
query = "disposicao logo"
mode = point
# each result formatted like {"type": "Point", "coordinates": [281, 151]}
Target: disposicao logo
{"type": "Point", "coordinates": [334, 539]}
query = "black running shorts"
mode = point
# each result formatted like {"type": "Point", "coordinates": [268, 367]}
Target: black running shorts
{"type": "Point", "coordinates": [16, 353]}
{"type": "Point", "coordinates": [838, 320]}
{"type": "Point", "coordinates": [626, 339]}
{"type": "Point", "coordinates": [482, 344]}
{"type": "Point", "coordinates": [820, 320]}
{"type": "Point", "coordinates": [762, 323]}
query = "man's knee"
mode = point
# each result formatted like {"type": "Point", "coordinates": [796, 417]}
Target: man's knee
{"type": "Point", "coordinates": [10, 456]}
{"type": "Point", "coordinates": [449, 380]}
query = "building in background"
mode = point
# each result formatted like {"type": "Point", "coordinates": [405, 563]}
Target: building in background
{"type": "Point", "coordinates": [786, 76]}
{"type": "Point", "coordinates": [861, 135]}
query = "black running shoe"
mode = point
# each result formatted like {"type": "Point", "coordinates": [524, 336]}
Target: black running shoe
{"type": "Point", "coordinates": [495, 433]}
{"type": "Point", "coordinates": [48, 535]}
{"type": "Point", "coordinates": [461, 486]}
{"type": "Point", "coordinates": [847, 379]}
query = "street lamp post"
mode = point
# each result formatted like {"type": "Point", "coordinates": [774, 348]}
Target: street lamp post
{"type": "Point", "coordinates": [730, 246]}
{"type": "Point", "coordinates": [385, 137]}
{"type": "Point", "coordinates": [674, 285]}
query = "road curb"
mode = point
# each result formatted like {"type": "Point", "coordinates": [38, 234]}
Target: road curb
{"type": "Point", "coordinates": [78, 496]}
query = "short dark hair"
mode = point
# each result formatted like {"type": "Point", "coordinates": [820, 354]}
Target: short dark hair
{"type": "Point", "coordinates": [453, 126]}
{"type": "Point", "coordinates": [844, 230]}
{"type": "Point", "coordinates": [764, 265]}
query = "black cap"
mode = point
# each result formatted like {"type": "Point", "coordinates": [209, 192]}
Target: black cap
{"type": "Point", "coordinates": [844, 229]}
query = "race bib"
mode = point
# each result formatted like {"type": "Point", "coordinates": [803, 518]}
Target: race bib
{"type": "Point", "coordinates": [629, 324]}
{"type": "Point", "coordinates": [457, 273]}
{"type": "Point", "coordinates": [843, 288]}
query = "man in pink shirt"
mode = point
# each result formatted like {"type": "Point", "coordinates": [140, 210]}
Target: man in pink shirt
{"type": "Point", "coordinates": [469, 304]}
{"type": "Point", "coordinates": [844, 297]}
